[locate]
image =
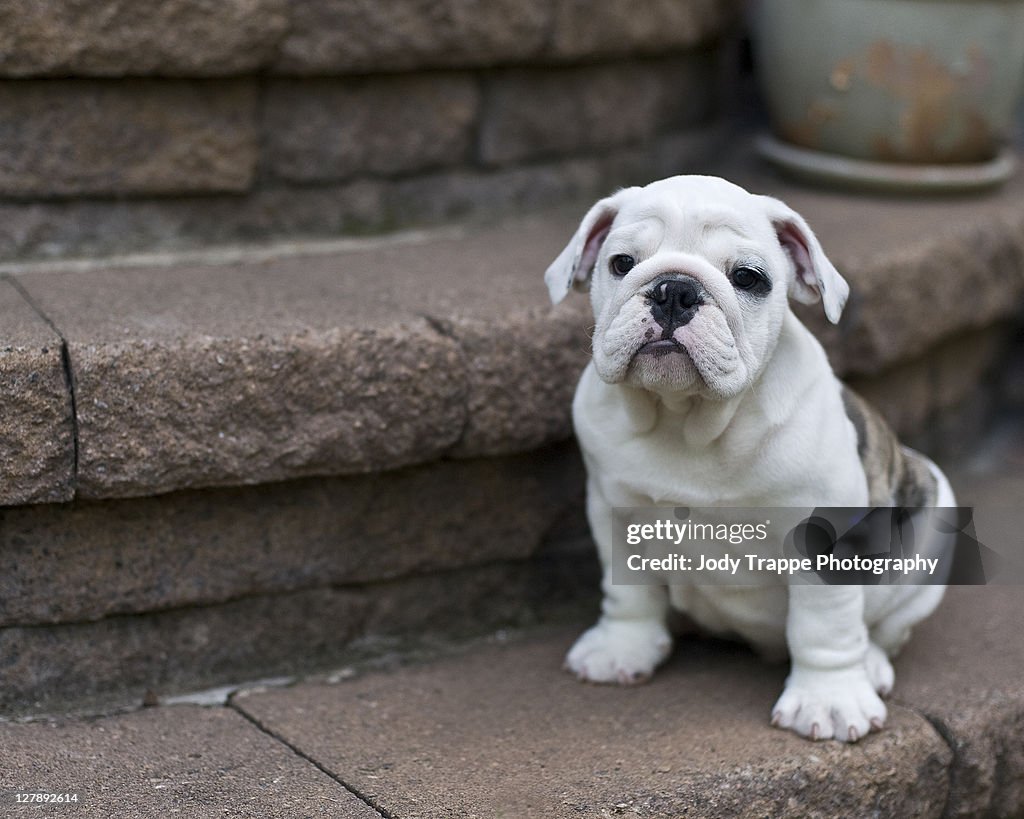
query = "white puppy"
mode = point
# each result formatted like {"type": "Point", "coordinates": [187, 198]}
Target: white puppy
{"type": "Point", "coordinates": [706, 390]}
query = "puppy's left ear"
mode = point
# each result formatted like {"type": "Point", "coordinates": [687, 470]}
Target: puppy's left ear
{"type": "Point", "coordinates": [575, 263]}
{"type": "Point", "coordinates": [814, 276]}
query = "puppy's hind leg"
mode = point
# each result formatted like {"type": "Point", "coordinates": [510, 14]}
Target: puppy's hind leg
{"type": "Point", "coordinates": [879, 669]}
{"type": "Point", "coordinates": [892, 631]}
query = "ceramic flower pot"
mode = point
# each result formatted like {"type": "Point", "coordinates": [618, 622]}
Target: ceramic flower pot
{"type": "Point", "coordinates": [892, 92]}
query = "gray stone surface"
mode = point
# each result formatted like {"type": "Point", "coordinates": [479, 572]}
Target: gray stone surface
{"type": "Point", "coordinates": [157, 415]}
{"type": "Point", "coordinates": [48, 669]}
{"type": "Point", "coordinates": [200, 548]}
{"type": "Point", "coordinates": [330, 367]}
{"type": "Point", "coordinates": [78, 137]}
{"type": "Point", "coordinates": [99, 227]}
{"type": "Point", "coordinates": [503, 731]}
{"type": "Point", "coordinates": [343, 36]}
{"type": "Point", "coordinates": [617, 28]}
{"type": "Point", "coordinates": [964, 675]}
{"type": "Point", "coordinates": [36, 427]}
{"type": "Point", "coordinates": [598, 107]}
{"type": "Point", "coordinates": [584, 29]}
{"type": "Point", "coordinates": [540, 186]}
{"type": "Point", "coordinates": [229, 375]}
{"type": "Point", "coordinates": [115, 38]}
{"type": "Point", "coordinates": [327, 130]}
{"type": "Point", "coordinates": [918, 395]}
{"type": "Point", "coordinates": [115, 661]}
{"type": "Point", "coordinates": [518, 400]}
{"type": "Point", "coordinates": [276, 212]}
{"type": "Point", "coordinates": [180, 761]}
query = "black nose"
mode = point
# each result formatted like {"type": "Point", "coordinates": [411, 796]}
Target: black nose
{"type": "Point", "coordinates": [674, 302]}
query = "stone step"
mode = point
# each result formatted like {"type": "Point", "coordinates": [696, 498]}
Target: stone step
{"type": "Point", "coordinates": [129, 380]}
{"type": "Point", "coordinates": [500, 730]}
{"type": "Point", "coordinates": [504, 731]}
{"type": "Point", "coordinates": [269, 456]}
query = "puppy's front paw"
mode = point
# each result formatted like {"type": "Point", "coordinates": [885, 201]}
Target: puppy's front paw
{"type": "Point", "coordinates": [829, 704]}
{"type": "Point", "coordinates": [619, 651]}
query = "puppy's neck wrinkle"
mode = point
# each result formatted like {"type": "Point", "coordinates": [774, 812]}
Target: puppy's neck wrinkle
{"type": "Point", "coordinates": [702, 421]}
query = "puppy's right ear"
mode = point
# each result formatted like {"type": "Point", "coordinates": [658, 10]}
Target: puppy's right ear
{"type": "Point", "coordinates": [575, 263]}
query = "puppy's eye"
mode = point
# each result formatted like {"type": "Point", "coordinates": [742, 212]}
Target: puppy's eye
{"type": "Point", "coordinates": [747, 278]}
{"type": "Point", "coordinates": [622, 264]}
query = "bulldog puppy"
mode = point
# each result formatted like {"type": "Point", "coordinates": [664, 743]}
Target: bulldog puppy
{"type": "Point", "coordinates": [706, 390]}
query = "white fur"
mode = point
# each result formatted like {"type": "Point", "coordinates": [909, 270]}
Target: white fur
{"type": "Point", "coordinates": [751, 415]}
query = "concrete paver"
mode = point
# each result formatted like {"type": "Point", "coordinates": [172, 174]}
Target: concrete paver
{"type": "Point", "coordinates": [175, 761]}
{"type": "Point", "coordinates": [505, 732]}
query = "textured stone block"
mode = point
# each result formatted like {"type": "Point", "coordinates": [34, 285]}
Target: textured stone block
{"type": "Point", "coordinates": [85, 561]}
{"type": "Point", "coordinates": [532, 113]}
{"type": "Point", "coordinates": [537, 187]}
{"type": "Point", "coordinates": [117, 659]}
{"type": "Point", "coordinates": [37, 453]}
{"type": "Point", "coordinates": [114, 38]}
{"type": "Point", "coordinates": [101, 227]}
{"type": "Point", "coordinates": [475, 195]}
{"type": "Point", "coordinates": [343, 36]}
{"type": "Point", "coordinates": [182, 761]}
{"type": "Point", "coordinates": [965, 363]}
{"type": "Point", "coordinates": [120, 37]}
{"type": "Point", "coordinates": [323, 130]}
{"type": "Point", "coordinates": [917, 393]}
{"type": "Point", "coordinates": [584, 29]}
{"type": "Point", "coordinates": [158, 416]}
{"type": "Point", "coordinates": [227, 374]}
{"type": "Point", "coordinates": [518, 399]}
{"type": "Point", "coordinates": [50, 668]}
{"type": "Point", "coordinates": [198, 376]}
{"type": "Point", "coordinates": [84, 137]}
{"type": "Point", "coordinates": [954, 283]}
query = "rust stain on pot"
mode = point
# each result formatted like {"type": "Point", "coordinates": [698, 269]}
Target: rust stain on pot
{"type": "Point", "coordinates": [807, 131]}
{"type": "Point", "coordinates": [937, 123]}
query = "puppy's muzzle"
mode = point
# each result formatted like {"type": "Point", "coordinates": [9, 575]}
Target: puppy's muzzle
{"type": "Point", "coordinates": [674, 303]}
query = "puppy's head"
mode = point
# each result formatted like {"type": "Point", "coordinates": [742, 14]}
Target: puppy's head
{"type": "Point", "coordinates": [688, 279]}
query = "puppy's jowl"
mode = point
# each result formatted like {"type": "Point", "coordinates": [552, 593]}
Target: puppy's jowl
{"type": "Point", "coordinates": [706, 390]}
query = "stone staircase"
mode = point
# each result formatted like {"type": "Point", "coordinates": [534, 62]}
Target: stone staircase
{"type": "Point", "coordinates": [282, 396]}
{"type": "Point", "coordinates": [286, 436]}
{"type": "Point", "coordinates": [241, 462]}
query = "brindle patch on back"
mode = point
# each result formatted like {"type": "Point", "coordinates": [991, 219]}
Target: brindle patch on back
{"type": "Point", "coordinates": [896, 476]}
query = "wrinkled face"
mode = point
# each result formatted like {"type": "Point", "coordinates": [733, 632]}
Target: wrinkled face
{"type": "Point", "coordinates": [687, 295]}
{"type": "Point", "coordinates": [689, 280]}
